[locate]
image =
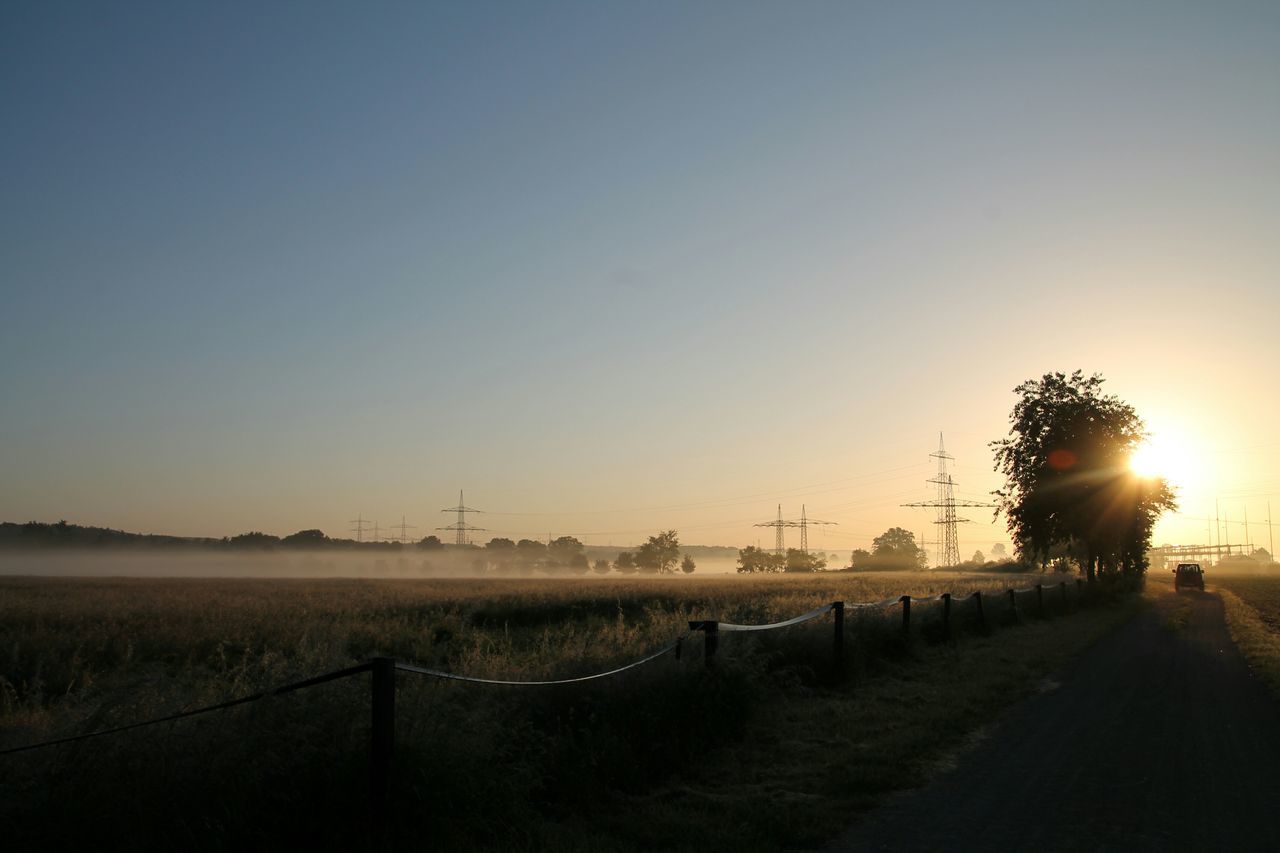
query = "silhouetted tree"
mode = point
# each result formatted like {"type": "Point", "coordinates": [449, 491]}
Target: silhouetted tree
{"type": "Point", "coordinates": [566, 552]}
{"type": "Point", "coordinates": [253, 539]}
{"type": "Point", "coordinates": [687, 565]}
{"type": "Point", "coordinates": [431, 543]}
{"type": "Point", "coordinates": [753, 560]}
{"type": "Point", "coordinates": [979, 557]}
{"type": "Point", "coordinates": [998, 551]}
{"type": "Point", "coordinates": [625, 563]}
{"type": "Point", "coordinates": [1068, 479]}
{"type": "Point", "coordinates": [800, 561]}
{"type": "Point", "coordinates": [660, 553]}
{"type": "Point", "coordinates": [602, 566]}
{"type": "Point", "coordinates": [859, 559]}
{"type": "Point", "coordinates": [305, 539]}
{"type": "Point", "coordinates": [896, 548]}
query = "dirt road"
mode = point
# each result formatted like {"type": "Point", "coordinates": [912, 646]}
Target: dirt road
{"type": "Point", "coordinates": [1159, 739]}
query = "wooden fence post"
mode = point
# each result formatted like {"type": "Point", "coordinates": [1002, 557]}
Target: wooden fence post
{"type": "Point", "coordinates": [906, 616]}
{"type": "Point", "coordinates": [1013, 605]}
{"type": "Point", "coordinates": [946, 615]}
{"type": "Point", "coordinates": [837, 642]}
{"type": "Point", "coordinates": [1040, 599]}
{"type": "Point", "coordinates": [383, 739]}
{"type": "Point", "coordinates": [710, 640]}
{"type": "Point", "coordinates": [982, 617]}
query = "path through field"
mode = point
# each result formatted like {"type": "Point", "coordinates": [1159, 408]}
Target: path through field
{"type": "Point", "coordinates": [1160, 739]}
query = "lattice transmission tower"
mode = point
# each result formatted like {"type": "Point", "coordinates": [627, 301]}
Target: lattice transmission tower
{"type": "Point", "coordinates": [779, 546]}
{"type": "Point", "coordinates": [805, 521]}
{"type": "Point", "coordinates": [359, 522]}
{"type": "Point", "coordinates": [461, 527]}
{"type": "Point", "coordinates": [948, 541]}
{"type": "Point", "coordinates": [402, 527]}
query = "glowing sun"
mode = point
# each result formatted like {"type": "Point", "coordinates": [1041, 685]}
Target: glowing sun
{"type": "Point", "coordinates": [1168, 456]}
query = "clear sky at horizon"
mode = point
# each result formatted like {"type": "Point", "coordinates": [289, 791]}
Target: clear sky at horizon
{"type": "Point", "coordinates": [620, 267]}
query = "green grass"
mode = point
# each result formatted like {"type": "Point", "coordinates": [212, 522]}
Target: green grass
{"type": "Point", "coordinates": [666, 752]}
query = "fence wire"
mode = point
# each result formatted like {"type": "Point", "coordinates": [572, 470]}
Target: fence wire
{"type": "Point", "coordinates": [275, 691]}
{"type": "Point", "coordinates": [803, 617]}
{"type": "Point", "coordinates": [453, 676]}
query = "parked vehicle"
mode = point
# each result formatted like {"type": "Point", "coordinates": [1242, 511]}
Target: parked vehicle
{"type": "Point", "coordinates": [1188, 574]}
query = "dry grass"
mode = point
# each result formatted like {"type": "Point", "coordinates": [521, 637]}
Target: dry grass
{"type": "Point", "coordinates": [1252, 606]}
{"type": "Point", "coordinates": [484, 767]}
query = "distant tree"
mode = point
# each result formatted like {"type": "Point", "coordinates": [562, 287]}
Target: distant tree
{"type": "Point", "coordinates": [687, 565]}
{"type": "Point", "coordinates": [531, 554]}
{"type": "Point", "coordinates": [896, 548]}
{"type": "Point", "coordinates": [431, 543]}
{"type": "Point", "coordinates": [659, 554]}
{"type": "Point", "coordinates": [859, 559]}
{"type": "Point", "coordinates": [1262, 555]}
{"type": "Point", "coordinates": [305, 539]}
{"type": "Point", "coordinates": [998, 551]}
{"type": "Point", "coordinates": [563, 550]}
{"type": "Point", "coordinates": [253, 539]}
{"type": "Point", "coordinates": [602, 567]}
{"type": "Point", "coordinates": [979, 557]}
{"type": "Point", "coordinates": [753, 560]}
{"type": "Point", "coordinates": [497, 544]}
{"type": "Point", "coordinates": [625, 563]}
{"type": "Point", "coordinates": [801, 561]}
{"type": "Point", "coordinates": [1068, 478]}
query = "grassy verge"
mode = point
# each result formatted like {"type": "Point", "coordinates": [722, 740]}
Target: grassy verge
{"type": "Point", "coordinates": [1257, 641]}
{"type": "Point", "coordinates": [810, 758]}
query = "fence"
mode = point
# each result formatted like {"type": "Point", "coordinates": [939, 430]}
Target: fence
{"type": "Point", "coordinates": [383, 669]}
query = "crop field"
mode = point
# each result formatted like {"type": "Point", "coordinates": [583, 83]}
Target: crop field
{"type": "Point", "coordinates": [477, 766]}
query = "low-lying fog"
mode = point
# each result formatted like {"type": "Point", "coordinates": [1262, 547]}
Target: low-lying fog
{"type": "Point", "coordinates": [295, 564]}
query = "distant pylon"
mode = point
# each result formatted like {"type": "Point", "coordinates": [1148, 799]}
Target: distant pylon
{"type": "Point", "coordinates": [402, 527]}
{"type": "Point", "coordinates": [805, 521]}
{"type": "Point", "coordinates": [946, 503]}
{"type": "Point", "coordinates": [359, 523]}
{"type": "Point", "coordinates": [461, 527]}
{"type": "Point", "coordinates": [779, 547]}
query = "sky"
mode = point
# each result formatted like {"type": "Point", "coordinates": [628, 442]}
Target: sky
{"type": "Point", "coordinates": [615, 268]}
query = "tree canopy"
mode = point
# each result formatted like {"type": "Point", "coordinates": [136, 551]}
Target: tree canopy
{"type": "Point", "coordinates": [1068, 481]}
{"type": "Point", "coordinates": [660, 553]}
{"type": "Point", "coordinates": [753, 560]}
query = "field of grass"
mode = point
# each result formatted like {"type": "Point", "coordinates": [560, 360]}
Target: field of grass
{"type": "Point", "coordinates": [1252, 605]}
{"type": "Point", "coordinates": [594, 766]}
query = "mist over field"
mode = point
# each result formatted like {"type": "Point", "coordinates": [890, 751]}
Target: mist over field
{"type": "Point", "coordinates": [287, 564]}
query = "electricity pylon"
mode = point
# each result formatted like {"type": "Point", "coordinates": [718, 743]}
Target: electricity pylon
{"type": "Point", "coordinates": [461, 527]}
{"type": "Point", "coordinates": [805, 521]}
{"type": "Point", "coordinates": [779, 547]}
{"type": "Point", "coordinates": [359, 523]}
{"type": "Point", "coordinates": [402, 527]}
{"type": "Point", "coordinates": [946, 503]}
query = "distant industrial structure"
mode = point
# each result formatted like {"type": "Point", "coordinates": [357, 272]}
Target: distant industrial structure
{"type": "Point", "coordinates": [460, 527]}
{"type": "Point", "coordinates": [948, 542]}
{"type": "Point", "coordinates": [779, 544]}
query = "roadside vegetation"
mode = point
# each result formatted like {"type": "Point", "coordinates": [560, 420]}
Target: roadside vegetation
{"type": "Point", "coordinates": [1252, 606]}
